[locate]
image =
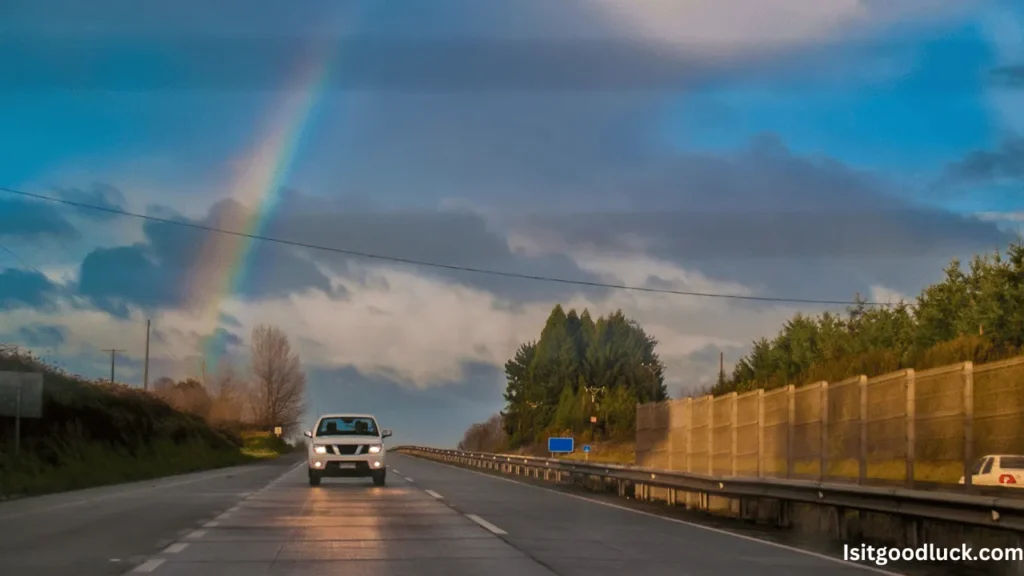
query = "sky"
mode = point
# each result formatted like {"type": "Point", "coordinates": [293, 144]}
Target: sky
{"type": "Point", "coordinates": [784, 148]}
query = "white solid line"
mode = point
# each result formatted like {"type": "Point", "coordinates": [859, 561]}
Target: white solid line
{"type": "Point", "coordinates": [487, 525]}
{"type": "Point", "coordinates": [197, 534]}
{"type": "Point", "coordinates": [176, 547]}
{"type": "Point", "coordinates": [674, 520]}
{"type": "Point", "coordinates": [211, 524]}
{"type": "Point", "coordinates": [434, 494]}
{"type": "Point", "coordinates": [149, 565]}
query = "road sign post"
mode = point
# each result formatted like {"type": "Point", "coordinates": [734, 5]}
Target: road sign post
{"type": "Point", "coordinates": [586, 452]}
{"type": "Point", "coordinates": [21, 396]}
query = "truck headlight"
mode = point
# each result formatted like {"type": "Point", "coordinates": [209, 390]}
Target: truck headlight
{"type": "Point", "coordinates": [320, 449]}
{"type": "Point", "coordinates": [374, 449]}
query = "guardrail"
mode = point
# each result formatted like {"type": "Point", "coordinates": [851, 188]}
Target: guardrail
{"type": "Point", "coordinates": [967, 509]}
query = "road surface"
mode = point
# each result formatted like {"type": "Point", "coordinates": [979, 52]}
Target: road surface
{"type": "Point", "coordinates": [431, 520]}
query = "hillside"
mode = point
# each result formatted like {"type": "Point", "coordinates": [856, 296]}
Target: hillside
{"type": "Point", "coordinates": [95, 433]}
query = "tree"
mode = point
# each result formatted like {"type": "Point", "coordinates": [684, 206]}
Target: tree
{"type": "Point", "coordinates": [279, 383]}
{"type": "Point", "coordinates": [229, 395]}
{"type": "Point", "coordinates": [486, 437]}
{"type": "Point", "coordinates": [577, 368]}
{"type": "Point", "coordinates": [975, 315]}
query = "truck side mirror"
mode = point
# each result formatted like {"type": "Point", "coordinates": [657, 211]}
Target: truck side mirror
{"type": "Point", "coordinates": [386, 433]}
{"type": "Point", "coordinates": [308, 434]}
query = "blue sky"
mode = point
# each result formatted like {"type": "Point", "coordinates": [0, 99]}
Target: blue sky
{"type": "Point", "coordinates": [854, 147]}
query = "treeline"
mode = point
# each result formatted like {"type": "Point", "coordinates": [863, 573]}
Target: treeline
{"type": "Point", "coordinates": [272, 394]}
{"type": "Point", "coordinates": [974, 314]}
{"type": "Point", "coordinates": [580, 368]}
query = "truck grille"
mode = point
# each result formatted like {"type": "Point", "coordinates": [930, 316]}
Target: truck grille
{"type": "Point", "coordinates": [347, 449]}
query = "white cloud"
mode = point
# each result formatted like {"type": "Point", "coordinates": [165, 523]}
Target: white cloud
{"type": "Point", "coordinates": [885, 295]}
{"type": "Point", "coordinates": [420, 330]}
{"type": "Point", "coordinates": [728, 27]}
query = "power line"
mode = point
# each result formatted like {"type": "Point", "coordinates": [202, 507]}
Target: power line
{"type": "Point", "coordinates": [400, 260]}
{"type": "Point", "coordinates": [19, 259]}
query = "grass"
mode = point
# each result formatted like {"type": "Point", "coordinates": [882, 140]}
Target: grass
{"type": "Point", "coordinates": [94, 434]}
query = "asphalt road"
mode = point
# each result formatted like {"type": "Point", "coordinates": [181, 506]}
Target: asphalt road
{"type": "Point", "coordinates": [430, 520]}
{"type": "Point", "coordinates": [110, 530]}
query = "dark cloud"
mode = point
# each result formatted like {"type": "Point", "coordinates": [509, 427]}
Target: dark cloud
{"type": "Point", "coordinates": [229, 320]}
{"type": "Point", "coordinates": [160, 272]}
{"type": "Point", "coordinates": [988, 166]}
{"type": "Point", "coordinates": [1009, 75]}
{"type": "Point", "coordinates": [221, 342]}
{"type": "Point", "coordinates": [787, 225]}
{"type": "Point", "coordinates": [23, 288]}
{"type": "Point", "coordinates": [29, 220]}
{"type": "Point", "coordinates": [42, 336]}
{"type": "Point", "coordinates": [454, 238]}
{"type": "Point", "coordinates": [104, 196]}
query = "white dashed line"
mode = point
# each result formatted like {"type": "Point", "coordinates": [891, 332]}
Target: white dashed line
{"type": "Point", "coordinates": [211, 524]}
{"type": "Point", "coordinates": [197, 534]}
{"type": "Point", "coordinates": [670, 519]}
{"type": "Point", "coordinates": [486, 525]}
{"type": "Point", "coordinates": [149, 565]}
{"type": "Point", "coordinates": [407, 479]}
{"type": "Point", "coordinates": [175, 548]}
{"type": "Point", "coordinates": [434, 494]}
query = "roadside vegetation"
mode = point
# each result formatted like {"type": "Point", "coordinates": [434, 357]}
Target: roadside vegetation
{"type": "Point", "coordinates": [975, 313]}
{"type": "Point", "coordinates": [94, 433]}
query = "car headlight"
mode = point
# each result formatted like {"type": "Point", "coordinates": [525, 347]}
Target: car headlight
{"type": "Point", "coordinates": [374, 449]}
{"type": "Point", "coordinates": [320, 449]}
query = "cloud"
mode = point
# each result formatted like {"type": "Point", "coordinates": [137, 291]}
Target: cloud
{"type": "Point", "coordinates": [21, 288]}
{"type": "Point", "coordinates": [42, 336]}
{"type": "Point", "coordinates": [1006, 163]}
{"type": "Point", "coordinates": [1012, 76]}
{"type": "Point", "coordinates": [104, 196]}
{"type": "Point", "coordinates": [180, 266]}
{"type": "Point", "coordinates": [33, 221]}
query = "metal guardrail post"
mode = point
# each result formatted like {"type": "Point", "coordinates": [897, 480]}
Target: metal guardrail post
{"type": "Point", "coordinates": [968, 401]}
{"type": "Point", "coordinates": [862, 449]}
{"type": "Point", "coordinates": [911, 426]}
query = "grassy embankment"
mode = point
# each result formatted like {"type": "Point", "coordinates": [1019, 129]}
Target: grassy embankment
{"type": "Point", "coordinates": [93, 434]}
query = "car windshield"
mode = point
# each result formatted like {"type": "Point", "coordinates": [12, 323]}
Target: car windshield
{"type": "Point", "coordinates": [345, 426]}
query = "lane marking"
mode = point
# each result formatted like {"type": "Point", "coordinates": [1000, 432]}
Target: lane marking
{"type": "Point", "coordinates": [669, 519]}
{"type": "Point", "coordinates": [211, 524]}
{"type": "Point", "coordinates": [175, 548]}
{"type": "Point", "coordinates": [486, 525]}
{"type": "Point", "coordinates": [149, 565]}
{"type": "Point", "coordinates": [197, 534]}
{"type": "Point", "coordinates": [434, 494]}
{"type": "Point", "coordinates": [407, 479]}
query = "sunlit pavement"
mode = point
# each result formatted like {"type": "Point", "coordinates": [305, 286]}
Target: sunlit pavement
{"type": "Point", "coordinates": [345, 527]}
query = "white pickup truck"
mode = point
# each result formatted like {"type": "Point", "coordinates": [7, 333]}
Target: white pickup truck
{"type": "Point", "coordinates": [998, 470]}
{"type": "Point", "coordinates": [347, 446]}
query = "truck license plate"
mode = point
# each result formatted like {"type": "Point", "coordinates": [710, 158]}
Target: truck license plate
{"type": "Point", "coordinates": [346, 465]}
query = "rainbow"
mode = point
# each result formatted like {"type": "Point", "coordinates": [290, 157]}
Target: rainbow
{"type": "Point", "coordinates": [224, 261]}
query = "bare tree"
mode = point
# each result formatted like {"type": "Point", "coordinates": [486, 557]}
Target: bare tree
{"type": "Point", "coordinates": [279, 384]}
{"type": "Point", "coordinates": [487, 436]}
{"type": "Point", "coordinates": [229, 393]}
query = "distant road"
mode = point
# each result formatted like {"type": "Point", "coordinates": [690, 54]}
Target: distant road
{"type": "Point", "coordinates": [109, 530]}
{"type": "Point", "coordinates": [430, 520]}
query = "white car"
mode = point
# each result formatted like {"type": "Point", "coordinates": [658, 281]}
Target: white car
{"type": "Point", "coordinates": [346, 446]}
{"type": "Point", "coordinates": [998, 470]}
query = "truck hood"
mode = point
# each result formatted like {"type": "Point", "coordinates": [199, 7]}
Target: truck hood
{"type": "Point", "coordinates": [332, 440]}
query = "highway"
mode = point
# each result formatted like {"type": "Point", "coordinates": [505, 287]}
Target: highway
{"type": "Point", "coordinates": [431, 519]}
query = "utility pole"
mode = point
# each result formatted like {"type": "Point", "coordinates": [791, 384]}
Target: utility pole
{"type": "Point", "coordinates": [145, 370]}
{"type": "Point", "coordinates": [113, 360]}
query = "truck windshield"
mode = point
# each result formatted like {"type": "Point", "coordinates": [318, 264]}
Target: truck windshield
{"type": "Point", "coordinates": [347, 427]}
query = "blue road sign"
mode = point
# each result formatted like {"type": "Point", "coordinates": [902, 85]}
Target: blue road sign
{"type": "Point", "coordinates": [586, 448]}
{"type": "Point", "coordinates": [560, 445]}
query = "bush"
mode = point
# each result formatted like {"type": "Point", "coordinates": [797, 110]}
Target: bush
{"type": "Point", "coordinates": [95, 433]}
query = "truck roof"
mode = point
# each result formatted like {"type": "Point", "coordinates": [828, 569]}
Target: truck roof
{"type": "Point", "coordinates": [346, 415]}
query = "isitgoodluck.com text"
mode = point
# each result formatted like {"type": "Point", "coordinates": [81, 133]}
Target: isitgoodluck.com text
{"type": "Point", "coordinates": [882, 555]}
